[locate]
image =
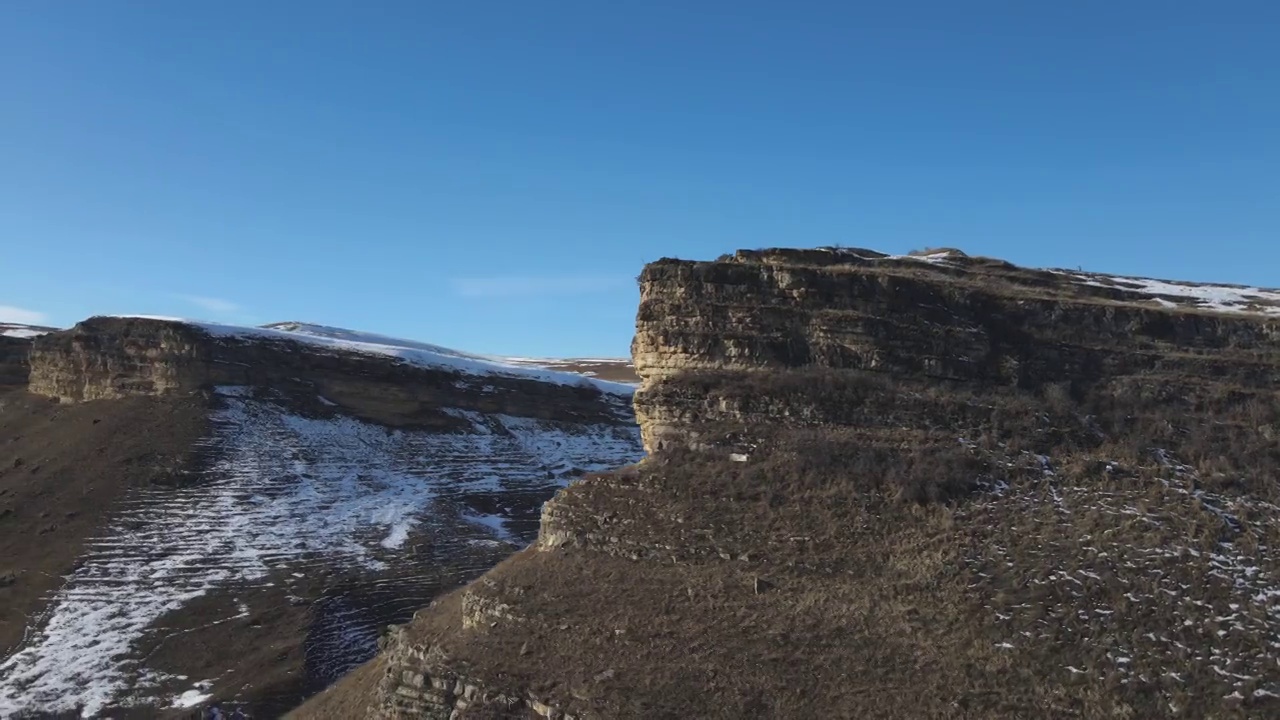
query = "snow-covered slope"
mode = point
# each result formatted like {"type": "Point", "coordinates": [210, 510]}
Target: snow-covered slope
{"type": "Point", "coordinates": [1210, 297]}
{"type": "Point", "coordinates": [1197, 296]}
{"type": "Point", "coordinates": [366, 338]}
{"type": "Point", "coordinates": [577, 366]}
{"type": "Point", "coordinates": [283, 501]}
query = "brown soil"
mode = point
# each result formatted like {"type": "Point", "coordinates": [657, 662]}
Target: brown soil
{"type": "Point", "coordinates": [62, 468]}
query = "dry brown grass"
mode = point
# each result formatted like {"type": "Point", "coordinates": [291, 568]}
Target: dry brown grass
{"type": "Point", "coordinates": [1074, 517]}
{"type": "Point", "coordinates": [1088, 551]}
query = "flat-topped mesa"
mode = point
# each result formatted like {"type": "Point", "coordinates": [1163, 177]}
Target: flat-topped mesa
{"type": "Point", "coordinates": [112, 357]}
{"type": "Point", "coordinates": [938, 315]}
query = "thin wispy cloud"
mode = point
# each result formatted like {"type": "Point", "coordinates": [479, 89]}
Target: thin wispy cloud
{"type": "Point", "coordinates": [22, 316]}
{"type": "Point", "coordinates": [507, 287]}
{"type": "Point", "coordinates": [212, 304]}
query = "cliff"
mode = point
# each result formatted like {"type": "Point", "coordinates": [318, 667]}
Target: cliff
{"type": "Point", "coordinates": [944, 319]}
{"type": "Point", "coordinates": [899, 487]}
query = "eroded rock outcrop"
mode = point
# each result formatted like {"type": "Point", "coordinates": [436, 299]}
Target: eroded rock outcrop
{"type": "Point", "coordinates": [932, 486]}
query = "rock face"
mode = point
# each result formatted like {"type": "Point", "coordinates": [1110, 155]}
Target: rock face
{"type": "Point", "coordinates": [894, 487]}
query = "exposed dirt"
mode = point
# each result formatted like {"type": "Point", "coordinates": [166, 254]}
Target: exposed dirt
{"type": "Point", "coordinates": [62, 468]}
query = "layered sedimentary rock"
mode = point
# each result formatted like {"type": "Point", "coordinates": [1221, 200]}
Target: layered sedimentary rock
{"type": "Point", "coordinates": [944, 317]}
{"type": "Point", "coordinates": [930, 486]}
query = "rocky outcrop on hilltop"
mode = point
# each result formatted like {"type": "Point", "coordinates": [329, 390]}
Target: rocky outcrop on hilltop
{"type": "Point", "coordinates": [895, 487]}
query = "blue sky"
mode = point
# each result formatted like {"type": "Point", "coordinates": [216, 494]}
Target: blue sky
{"type": "Point", "coordinates": [492, 176]}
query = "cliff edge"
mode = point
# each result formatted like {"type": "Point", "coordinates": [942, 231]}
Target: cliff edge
{"type": "Point", "coordinates": [894, 487]}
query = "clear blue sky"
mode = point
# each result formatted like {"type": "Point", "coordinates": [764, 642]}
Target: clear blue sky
{"type": "Point", "coordinates": [492, 176]}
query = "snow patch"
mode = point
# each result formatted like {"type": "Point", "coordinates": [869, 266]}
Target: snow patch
{"type": "Point", "coordinates": [191, 699]}
{"type": "Point", "coordinates": [398, 536]}
{"type": "Point", "coordinates": [496, 523]}
{"type": "Point", "coordinates": [26, 333]}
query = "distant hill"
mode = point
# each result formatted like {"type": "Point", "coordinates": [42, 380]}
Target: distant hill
{"type": "Point", "coordinates": [614, 369]}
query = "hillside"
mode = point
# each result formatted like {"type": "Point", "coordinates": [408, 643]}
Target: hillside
{"type": "Point", "coordinates": [227, 516]}
{"type": "Point", "coordinates": [608, 369]}
{"type": "Point", "coordinates": [894, 487]}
